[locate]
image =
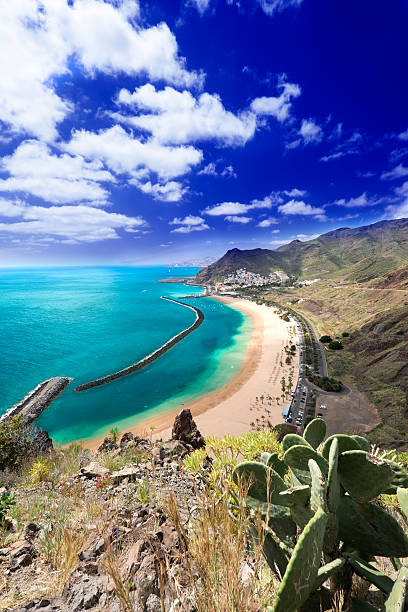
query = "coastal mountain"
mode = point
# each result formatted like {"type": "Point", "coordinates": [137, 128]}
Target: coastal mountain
{"type": "Point", "coordinates": [355, 254]}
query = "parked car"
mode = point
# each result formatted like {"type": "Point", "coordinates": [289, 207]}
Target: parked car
{"type": "Point", "coordinates": [289, 420]}
{"type": "Point", "coordinates": [323, 407]}
{"type": "Point", "coordinates": [293, 395]}
{"type": "Point", "coordinates": [319, 416]}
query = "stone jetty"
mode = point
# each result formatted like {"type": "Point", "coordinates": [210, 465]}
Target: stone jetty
{"type": "Point", "coordinates": [37, 400]}
{"type": "Point", "coordinates": [135, 367]}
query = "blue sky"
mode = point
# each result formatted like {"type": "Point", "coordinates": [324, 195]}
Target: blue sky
{"type": "Point", "coordinates": [164, 132]}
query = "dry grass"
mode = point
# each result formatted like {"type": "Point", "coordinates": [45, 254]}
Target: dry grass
{"type": "Point", "coordinates": [217, 550]}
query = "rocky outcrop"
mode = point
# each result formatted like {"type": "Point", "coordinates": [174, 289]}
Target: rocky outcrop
{"type": "Point", "coordinates": [41, 444]}
{"type": "Point", "coordinates": [185, 430]}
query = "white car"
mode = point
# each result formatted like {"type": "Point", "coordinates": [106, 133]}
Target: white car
{"type": "Point", "coordinates": [323, 407]}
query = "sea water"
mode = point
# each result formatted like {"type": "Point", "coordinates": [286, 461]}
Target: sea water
{"type": "Point", "coordinates": [86, 322]}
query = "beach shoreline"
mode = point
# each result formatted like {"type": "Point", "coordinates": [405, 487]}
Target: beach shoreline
{"type": "Point", "coordinates": [233, 407]}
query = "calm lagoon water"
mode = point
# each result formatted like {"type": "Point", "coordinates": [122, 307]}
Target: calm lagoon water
{"type": "Point", "coordinates": [85, 322]}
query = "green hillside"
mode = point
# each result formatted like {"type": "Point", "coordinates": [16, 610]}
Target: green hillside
{"type": "Point", "coordinates": [360, 254]}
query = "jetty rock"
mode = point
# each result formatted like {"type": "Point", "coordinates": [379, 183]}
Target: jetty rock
{"type": "Point", "coordinates": [185, 429]}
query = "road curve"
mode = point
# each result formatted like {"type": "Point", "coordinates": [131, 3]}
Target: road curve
{"type": "Point", "coordinates": [135, 367]}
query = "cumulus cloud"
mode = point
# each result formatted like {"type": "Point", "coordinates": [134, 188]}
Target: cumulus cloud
{"type": "Point", "coordinates": [279, 106]}
{"type": "Point", "coordinates": [200, 5]}
{"type": "Point", "coordinates": [295, 193]}
{"type": "Point", "coordinates": [178, 117]}
{"type": "Point", "coordinates": [237, 219]}
{"type": "Point", "coordinates": [268, 222]}
{"type": "Point", "coordinates": [298, 207]}
{"type": "Point", "coordinates": [60, 179]}
{"type": "Point", "coordinates": [360, 201]}
{"type": "Point", "coordinates": [396, 173]}
{"type": "Point", "coordinates": [99, 36]}
{"type": "Point", "coordinates": [172, 191]}
{"type": "Point", "coordinates": [124, 154]}
{"type": "Point", "coordinates": [270, 7]}
{"type": "Point", "coordinates": [310, 132]}
{"type": "Point", "coordinates": [403, 135]}
{"type": "Point", "coordinates": [211, 170]}
{"type": "Point", "coordinates": [226, 208]}
{"type": "Point", "coordinates": [399, 211]}
{"type": "Point", "coordinates": [69, 223]}
{"type": "Point", "coordinates": [190, 223]}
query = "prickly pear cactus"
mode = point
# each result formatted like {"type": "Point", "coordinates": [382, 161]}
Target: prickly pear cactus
{"type": "Point", "coordinates": [301, 573]}
{"type": "Point", "coordinates": [325, 527]}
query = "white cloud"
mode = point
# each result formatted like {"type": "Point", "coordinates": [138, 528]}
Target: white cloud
{"type": "Point", "coordinates": [298, 207]}
{"type": "Point", "coordinates": [55, 178]}
{"type": "Point", "coordinates": [211, 170]}
{"type": "Point", "coordinates": [178, 117]}
{"type": "Point", "coordinates": [311, 132]}
{"type": "Point", "coordinates": [172, 191]}
{"type": "Point", "coordinates": [403, 135]}
{"type": "Point", "coordinates": [279, 107]}
{"type": "Point", "coordinates": [399, 211]}
{"type": "Point", "coordinates": [397, 172]}
{"type": "Point", "coordinates": [275, 6]}
{"type": "Point", "coordinates": [200, 5]}
{"type": "Point", "coordinates": [190, 223]}
{"type": "Point", "coordinates": [275, 231]}
{"type": "Point", "coordinates": [41, 38]}
{"type": "Point", "coordinates": [236, 208]}
{"type": "Point", "coordinates": [236, 219]}
{"type": "Point", "coordinates": [268, 222]}
{"type": "Point", "coordinates": [188, 220]}
{"type": "Point", "coordinates": [295, 193]}
{"type": "Point", "coordinates": [360, 201]}
{"type": "Point", "coordinates": [226, 208]}
{"type": "Point", "coordinates": [74, 223]}
{"type": "Point", "coordinates": [124, 154]}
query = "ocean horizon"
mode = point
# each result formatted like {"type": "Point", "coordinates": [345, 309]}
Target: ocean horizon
{"type": "Point", "coordinates": [86, 322]}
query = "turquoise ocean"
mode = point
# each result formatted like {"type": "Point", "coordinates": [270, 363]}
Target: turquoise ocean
{"type": "Point", "coordinates": [85, 322]}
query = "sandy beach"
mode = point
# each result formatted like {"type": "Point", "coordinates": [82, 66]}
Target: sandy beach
{"type": "Point", "coordinates": [250, 395]}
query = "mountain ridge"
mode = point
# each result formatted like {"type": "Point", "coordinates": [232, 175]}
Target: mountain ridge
{"type": "Point", "coordinates": [360, 254]}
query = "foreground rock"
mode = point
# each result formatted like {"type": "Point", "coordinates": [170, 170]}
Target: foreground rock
{"type": "Point", "coordinates": [185, 430]}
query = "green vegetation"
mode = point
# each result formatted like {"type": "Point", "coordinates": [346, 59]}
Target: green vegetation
{"type": "Point", "coordinates": [13, 443]}
{"type": "Point", "coordinates": [335, 345]}
{"type": "Point", "coordinates": [345, 335]}
{"type": "Point", "coordinates": [7, 500]}
{"type": "Point", "coordinates": [326, 527]}
{"type": "Point", "coordinates": [324, 382]}
{"type": "Point", "coordinates": [326, 339]}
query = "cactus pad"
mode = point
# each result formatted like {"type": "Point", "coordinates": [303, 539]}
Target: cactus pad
{"type": "Point", "coordinates": [298, 457]}
{"type": "Point", "coordinates": [318, 494]}
{"type": "Point", "coordinates": [371, 573]}
{"type": "Point", "coordinates": [370, 529]}
{"type": "Point", "coordinates": [333, 485]}
{"type": "Point", "coordinates": [292, 440]}
{"type": "Point", "coordinates": [362, 442]}
{"type": "Point", "coordinates": [402, 495]}
{"type": "Point", "coordinates": [396, 601]}
{"type": "Point", "coordinates": [364, 476]}
{"type": "Point", "coordinates": [262, 481]}
{"type": "Point", "coordinates": [301, 573]}
{"type": "Point", "coordinates": [315, 432]}
{"type": "Point", "coordinates": [272, 460]}
{"type": "Point", "coordinates": [295, 496]}
{"type": "Point", "coordinates": [346, 443]}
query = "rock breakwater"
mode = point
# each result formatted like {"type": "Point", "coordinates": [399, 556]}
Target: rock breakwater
{"type": "Point", "coordinates": [135, 367]}
{"type": "Point", "coordinates": [37, 400]}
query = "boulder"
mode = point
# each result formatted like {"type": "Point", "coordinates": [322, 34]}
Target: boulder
{"type": "Point", "coordinates": [127, 438]}
{"type": "Point", "coordinates": [41, 444]}
{"type": "Point", "coordinates": [185, 430]}
{"type": "Point", "coordinates": [129, 471]}
{"type": "Point", "coordinates": [22, 553]}
{"type": "Point", "coordinates": [93, 470]}
{"type": "Point", "coordinates": [107, 446]}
